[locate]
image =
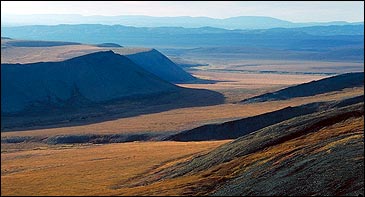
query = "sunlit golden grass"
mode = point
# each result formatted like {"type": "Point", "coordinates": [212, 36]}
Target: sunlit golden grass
{"type": "Point", "coordinates": [88, 169]}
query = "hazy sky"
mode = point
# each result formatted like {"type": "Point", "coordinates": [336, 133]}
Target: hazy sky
{"type": "Point", "coordinates": [300, 11]}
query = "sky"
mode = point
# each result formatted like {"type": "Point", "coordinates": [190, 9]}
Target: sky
{"type": "Point", "coordinates": [298, 11]}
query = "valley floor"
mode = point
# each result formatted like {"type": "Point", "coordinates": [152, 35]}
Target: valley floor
{"type": "Point", "coordinates": [87, 169]}
{"type": "Point", "coordinates": [117, 169]}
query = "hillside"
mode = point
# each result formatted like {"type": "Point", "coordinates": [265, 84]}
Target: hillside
{"type": "Point", "coordinates": [238, 128]}
{"type": "Point", "coordinates": [97, 77]}
{"type": "Point", "coordinates": [335, 83]}
{"type": "Point", "coordinates": [316, 154]}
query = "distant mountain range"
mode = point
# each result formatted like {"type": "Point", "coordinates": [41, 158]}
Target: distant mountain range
{"type": "Point", "coordinates": [240, 22]}
{"type": "Point", "coordinates": [313, 38]}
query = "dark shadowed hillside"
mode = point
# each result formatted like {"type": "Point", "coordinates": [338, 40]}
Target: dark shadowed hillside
{"type": "Point", "coordinates": [336, 83]}
{"type": "Point", "coordinates": [98, 77]}
{"type": "Point", "coordinates": [316, 154]}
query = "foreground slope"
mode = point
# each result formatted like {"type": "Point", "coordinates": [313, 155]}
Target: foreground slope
{"type": "Point", "coordinates": [335, 83]}
{"type": "Point", "coordinates": [315, 154]}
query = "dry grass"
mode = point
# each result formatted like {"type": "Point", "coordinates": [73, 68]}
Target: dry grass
{"type": "Point", "coordinates": [261, 163]}
{"type": "Point", "coordinates": [88, 169]}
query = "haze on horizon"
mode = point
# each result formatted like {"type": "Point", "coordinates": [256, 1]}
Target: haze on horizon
{"type": "Point", "coordinates": [299, 11]}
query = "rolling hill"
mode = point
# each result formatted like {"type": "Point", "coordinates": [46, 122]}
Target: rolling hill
{"type": "Point", "coordinates": [335, 83]}
{"type": "Point", "coordinates": [98, 77]}
{"type": "Point", "coordinates": [315, 154]}
{"type": "Point", "coordinates": [238, 128]}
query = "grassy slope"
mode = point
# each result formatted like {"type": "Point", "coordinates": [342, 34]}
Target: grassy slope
{"type": "Point", "coordinates": [237, 128]}
{"type": "Point", "coordinates": [317, 154]}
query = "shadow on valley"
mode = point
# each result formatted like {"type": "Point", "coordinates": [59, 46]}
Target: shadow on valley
{"type": "Point", "coordinates": [80, 111]}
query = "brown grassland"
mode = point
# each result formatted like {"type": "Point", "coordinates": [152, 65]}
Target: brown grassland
{"type": "Point", "coordinates": [87, 169]}
{"type": "Point", "coordinates": [274, 160]}
{"type": "Point", "coordinates": [122, 169]}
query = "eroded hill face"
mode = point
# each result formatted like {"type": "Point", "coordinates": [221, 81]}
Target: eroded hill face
{"type": "Point", "coordinates": [316, 154]}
